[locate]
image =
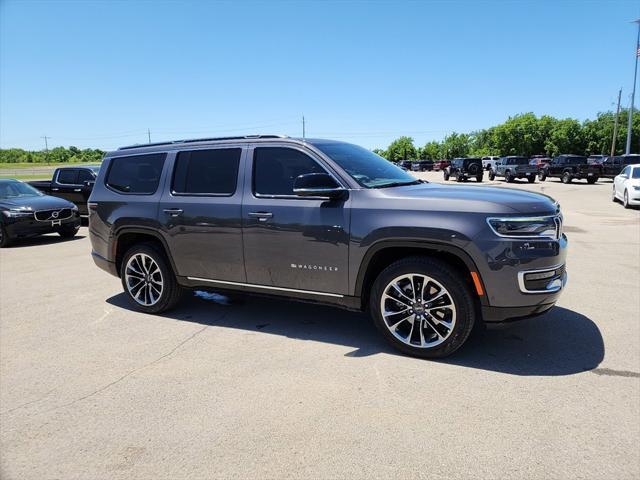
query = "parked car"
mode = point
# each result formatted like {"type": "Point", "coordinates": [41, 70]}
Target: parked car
{"type": "Point", "coordinates": [422, 166]}
{"type": "Point", "coordinates": [612, 166]}
{"type": "Point", "coordinates": [570, 167]}
{"type": "Point", "coordinates": [463, 169]}
{"type": "Point", "coordinates": [440, 165]}
{"type": "Point", "coordinates": [405, 164]}
{"type": "Point", "coordinates": [27, 212]}
{"type": "Point", "coordinates": [513, 167]}
{"type": "Point", "coordinates": [539, 162]}
{"type": "Point", "coordinates": [71, 183]}
{"type": "Point", "coordinates": [324, 221]}
{"type": "Point", "coordinates": [626, 186]}
{"type": "Point", "coordinates": [489, 162]}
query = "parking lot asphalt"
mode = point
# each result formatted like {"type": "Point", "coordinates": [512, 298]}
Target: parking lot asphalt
{"type": "Point", "coordinates": [265, 388]}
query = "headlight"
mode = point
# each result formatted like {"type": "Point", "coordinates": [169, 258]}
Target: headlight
{"type": "Point", "coordinates": [636, 187]}
{"type": "Point", "coordinates": [16, 213]}
{"type": "Point", "coordinates": [74, 208]}
{"type": "Point", "coordinates": [527, 227]}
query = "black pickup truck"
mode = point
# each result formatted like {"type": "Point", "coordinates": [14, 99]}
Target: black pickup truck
{"type": "Point", "coordinates": [570, 167]}
{"type": "Point", "coordinates": [612, 166]}
{"type": "Point", "coordinates": [71, 183]}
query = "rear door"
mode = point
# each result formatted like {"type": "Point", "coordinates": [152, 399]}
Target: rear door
{"type": "Point", "coordinates": [65, 185]}
{"type": "Point", "coordinates": [200, 213]}
{"type": "Point", "coordinates": [291, 242]}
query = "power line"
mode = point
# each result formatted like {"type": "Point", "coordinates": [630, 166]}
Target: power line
{"type": "Point", "coordinates": [46, 147]}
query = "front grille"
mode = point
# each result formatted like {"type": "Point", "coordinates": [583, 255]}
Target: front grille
{"type": "Point", "coordinates": [539, 280]}
{"type": "Point", "coordinates": [53, 215]}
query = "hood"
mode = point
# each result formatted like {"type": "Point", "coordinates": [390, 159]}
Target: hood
{"type": "Point", "coordinates": [479, 199]}
{"type": "Point", "coordinates": [44, 202]}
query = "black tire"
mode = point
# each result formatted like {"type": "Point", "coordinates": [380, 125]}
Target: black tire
{"type": "Point", "coordinates": [446, 175]}
{"type": "Point", "coordinates": [542, 175]}
{"type": "Point", "coordinates": [68, 231]}
{"type": "Point", "coordinates": [592, 180]}
{"type": "Point", "coordinates": [625, 200]}
{"type": "Point", "coordinates": [531, 179]}
{"type": "Point", "coordinates": [479, 178]}
{"type": "Point", "coordinates": [171, 292]}
{"type": "Point", "coordinates": [459, 178]}
{"type": "Point", "coordinates": [5, 240]}
{"type": "Point", "coordinates": [458, 292]}
{"type": "Point", "coordinates": [566, 178]}
{"type": "Point", "coordinates": [492, 175]}
{"type": "Point", "coordinates": [508, 177]}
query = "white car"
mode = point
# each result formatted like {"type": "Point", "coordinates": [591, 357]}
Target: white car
{"type": "Point", "coordinates": [626, 186]}
{"type": "Point", "coordinates": [489, 163]}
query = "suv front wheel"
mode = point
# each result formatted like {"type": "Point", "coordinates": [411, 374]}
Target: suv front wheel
{"type": "Point", "coordinates": [422, 307]}
{"type": "Point", "coordinates": [148, 280]}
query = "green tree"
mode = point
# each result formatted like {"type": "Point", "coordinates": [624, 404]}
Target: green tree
{"type": "Point", "coordinates": [431, 151]}
{"type": "Point", "coordinates": [455, 145]}
{"type": "Point", "coordinates": [401, 149]}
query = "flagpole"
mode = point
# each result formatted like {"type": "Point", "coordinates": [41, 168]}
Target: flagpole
{"type": "Point", "coordinates": [633, 92]}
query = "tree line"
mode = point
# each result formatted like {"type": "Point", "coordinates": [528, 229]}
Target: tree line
{"type": "Point", "coordinates": [526, 135]}
{"type": "Point", "coordinates": [55, 155]}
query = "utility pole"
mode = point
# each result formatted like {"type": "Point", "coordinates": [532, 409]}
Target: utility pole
{"type": "Point", "coordinates": [615, 127]}
{"type": "Point", "coordinates": [304, 129]}
{"type": "Point", "coordinates": [149, 134]}
{"type": "Point", "coordinates": [46, 147]}
{"type": "Point", "coordinates": [633, 91]}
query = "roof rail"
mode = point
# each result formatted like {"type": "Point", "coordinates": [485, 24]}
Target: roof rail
{"type": "Point", "coordinates": [195, 140]}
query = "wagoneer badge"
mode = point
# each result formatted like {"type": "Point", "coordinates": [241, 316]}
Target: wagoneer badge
{"type": "Point", "coordinates": [314, 267]}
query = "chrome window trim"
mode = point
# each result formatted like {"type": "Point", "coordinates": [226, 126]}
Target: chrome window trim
{"type": "Point", "coordinates": [523, 289]}
{"type": "Point", "coordinates": [266, 287]}
{"type": "Point", "coordinates": [557, 221]}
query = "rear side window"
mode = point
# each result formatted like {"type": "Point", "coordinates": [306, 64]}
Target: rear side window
{"type": "Point", "coordinates": [206, 172]}
{"type": "Point", "coordinates": [85, 176]}
{"type": "Point", "coordinates": [68, 176]}
{"type": "Point", "coordinates": [275, 169]}
{"type": "Point", "coordinates": [135, 174]}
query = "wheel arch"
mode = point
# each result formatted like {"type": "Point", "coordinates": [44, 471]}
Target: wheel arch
{"type": "Point", "coordinates": [126, 237]}
{"type": "Point", "coordinates": [384, 253]}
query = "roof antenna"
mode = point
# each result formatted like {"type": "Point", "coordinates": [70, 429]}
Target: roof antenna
{"type": "Point", "coordinates": [304, 131]}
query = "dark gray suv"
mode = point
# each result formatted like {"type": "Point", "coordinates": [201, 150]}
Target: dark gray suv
{"type": "Point", "coordinates": [325, 221]}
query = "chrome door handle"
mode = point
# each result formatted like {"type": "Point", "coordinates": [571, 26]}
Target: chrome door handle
{"type": "Point", "coordinates": [174, 212]}
{"type": "Point", "coordinates": [261, 216]}
{"type": "Point", "coordinates": [77, 189]}
{"type": "Point", "coordinates": [55, 189]}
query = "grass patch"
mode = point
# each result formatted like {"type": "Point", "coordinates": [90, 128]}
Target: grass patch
{"type": "Point", "coordinates": [25, 177]}
{"type": "Point", "coordinates": [15, 166]}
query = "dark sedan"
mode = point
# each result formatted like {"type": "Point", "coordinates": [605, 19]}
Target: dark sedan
{"type": "Point", "coordinates": [26, 212]}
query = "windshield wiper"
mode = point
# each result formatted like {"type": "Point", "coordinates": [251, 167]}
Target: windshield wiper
{"type": "Point", "coordinates": [398, 184]}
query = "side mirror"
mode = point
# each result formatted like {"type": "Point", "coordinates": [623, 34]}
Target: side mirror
{"type": "Point", "coordinates": [317, 185]}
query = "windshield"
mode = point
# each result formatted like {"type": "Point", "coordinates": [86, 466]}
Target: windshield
{"type": "Point", "coordinates": [576, 160]}
{"type": "Point", "coordinates": [16, 189]}
{"type": "Point", "coordinates": [366, 168]}
{"type": "Point", "coordinates": [635, 173]}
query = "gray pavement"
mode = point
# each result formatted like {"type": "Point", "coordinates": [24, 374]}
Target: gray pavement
{"type": "Point", "coordinates": [273, 389]}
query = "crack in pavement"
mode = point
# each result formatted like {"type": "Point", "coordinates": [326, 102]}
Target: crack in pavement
{"type": "Point", "coordinates": [615, 373]}
{"type": "Point", "coordinates": [135, 370]}
{"type": "Point", "coordinates": [27, 403]}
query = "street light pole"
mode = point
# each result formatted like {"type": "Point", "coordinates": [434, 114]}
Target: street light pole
{"type": "Point", "coordinates": [633, 91]}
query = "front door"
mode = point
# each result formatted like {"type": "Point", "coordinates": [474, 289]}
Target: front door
{"type": "Point", "coordinates": [291, 242]}
{"type": "Point", "coordinates": [66, 185]}
{"type": "Point", "coordinates": [200, 214]}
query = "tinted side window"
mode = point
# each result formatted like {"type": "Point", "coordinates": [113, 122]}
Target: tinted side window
{"type": "Point", "coordinates": [275, 169]}
{"type": "Point", "coordinates": [135, 174]}
{"type": "Point", "coordinates": [85, 176]}
{"type": "Point", "coordinates": [207, 172]}
{"type": "Point", "coordinates": [68, 176]}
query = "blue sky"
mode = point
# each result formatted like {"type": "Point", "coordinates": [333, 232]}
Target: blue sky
{"type": "Point", "coordinates": [99, 73]}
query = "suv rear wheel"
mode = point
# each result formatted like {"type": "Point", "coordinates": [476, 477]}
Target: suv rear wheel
{"type": "Point", "coordinates": [422, 307]}
{"type": "Point", "coordinates": [446, 175]}
{"type": "Point", "coordinates": [508, 177]}
{"type": "Point", "coordinates": [5, 240]}
{"type": "Point", "coordinates": [531, 179]}
{"type": "Point", "coordinates": [148, 280]}
{"type": "Point", "coordinates": [492, 175]}
{"type": "Point", "coordinates": [566, 177]}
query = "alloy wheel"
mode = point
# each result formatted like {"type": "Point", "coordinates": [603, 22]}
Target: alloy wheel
{"type": "Point", "coordinates": [418, 310]}
{"type": "Point", "coordinates": [143, 279]}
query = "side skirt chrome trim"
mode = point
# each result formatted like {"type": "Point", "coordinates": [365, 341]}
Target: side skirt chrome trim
{"type": "Point", "coordinates": [266, 287]}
